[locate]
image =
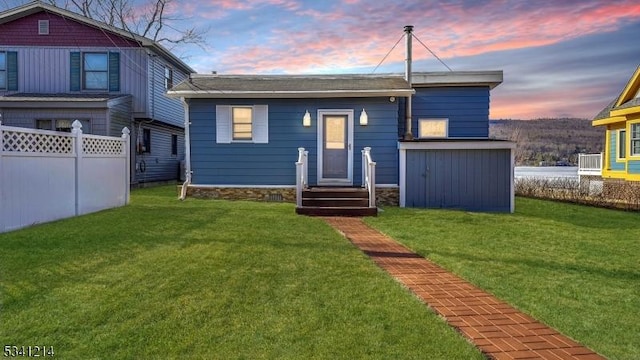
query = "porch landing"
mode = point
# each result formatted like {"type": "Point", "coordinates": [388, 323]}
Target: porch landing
{"type": "Point", "coordinates": [336, 201]}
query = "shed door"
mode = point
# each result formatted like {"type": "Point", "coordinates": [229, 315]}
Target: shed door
{"type": "Point", "coordinates": [335, 154]}
{"type": "Point", "coordinates": [475, 180]}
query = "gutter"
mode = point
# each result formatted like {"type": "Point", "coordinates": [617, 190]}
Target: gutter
{"type": "Point", "coordinates": [187, 151]}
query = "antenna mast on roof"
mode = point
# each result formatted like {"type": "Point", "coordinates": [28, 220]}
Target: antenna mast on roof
{"type": "Point", "coordinates": [407, 76]}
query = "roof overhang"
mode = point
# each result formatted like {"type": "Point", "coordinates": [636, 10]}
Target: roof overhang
{"type": "Point", "coordinates": [57, 102]}
{"type": "Point", "coordinates": [490, 78]}
{"type": "Point", "coordinates": [216, 94]}
{"type": "Point", "coordinates": [625, 111]}
{"type": "Point", "coordinates": [456, 144]}
{"type": "Point", "coordinates": [609, 120]}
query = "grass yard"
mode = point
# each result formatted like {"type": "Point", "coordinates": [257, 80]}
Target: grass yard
{"type": "Point", "coordinates": [573, 267]}
{"type": "Point", "coordinates": [165, 279]}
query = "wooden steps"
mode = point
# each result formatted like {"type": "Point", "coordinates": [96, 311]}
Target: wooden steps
{"type": "Point", "coordinates": [336, 201]}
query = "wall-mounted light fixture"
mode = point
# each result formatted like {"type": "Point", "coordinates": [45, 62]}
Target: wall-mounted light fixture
{"type": "Point", "coordinates": [364, 118]}
{"type": "Point", "coordinates": [306, 119]}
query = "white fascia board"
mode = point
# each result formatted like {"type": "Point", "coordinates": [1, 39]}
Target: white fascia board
{"type": "Point", "coordinates": [221, 94]}
{"type": "Point", "coordinates": [456, 145]}
{"type": "Point", "coordinates": [458, 78]}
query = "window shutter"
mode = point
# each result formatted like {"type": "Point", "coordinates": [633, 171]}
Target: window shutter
{"type": "Point", "coordinates": [223, 124]}
{"type": "Point", "coordinates": [12, 71]}
{"type": "Point", "coordinates": [260, 124]}
{"type": "Point", "coordinates": [114, 71]}
{"type": "Point", "coordinates": [75, 72]}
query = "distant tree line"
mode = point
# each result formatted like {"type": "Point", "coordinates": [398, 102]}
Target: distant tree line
{"type": "Point", "coordinates": [549, 141]}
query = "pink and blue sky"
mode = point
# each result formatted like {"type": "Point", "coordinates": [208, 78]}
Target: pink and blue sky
{"type": "Point", "coordinates": [565, 58]}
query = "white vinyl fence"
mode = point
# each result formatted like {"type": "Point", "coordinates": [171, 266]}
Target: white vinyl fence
{"type": "Point", "coordinates": [49, 175]}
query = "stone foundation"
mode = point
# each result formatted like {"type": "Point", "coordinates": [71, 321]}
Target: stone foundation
{"type": "Point", "coordinates": [388, 196]}
{"type": "Point", "coordinates": [231, 193]}
{"type": "Point", "coordinates": [384, 196]}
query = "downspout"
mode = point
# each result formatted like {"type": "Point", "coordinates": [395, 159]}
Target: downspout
{"type": "Point", "coordinates": [407, 76]}
{"type": "Point", "coordinates": [187, 151]}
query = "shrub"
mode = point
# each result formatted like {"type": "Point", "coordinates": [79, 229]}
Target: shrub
{"type": "Point", "coordinates": [596, 192]}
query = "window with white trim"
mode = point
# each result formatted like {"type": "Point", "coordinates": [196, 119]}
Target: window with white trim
{"type": "Point", "coordinates": [3, 70]}
{"type": "Point", "coordinates": [95, 71]}
{"type": "Point", "coordinates": [433, 128]}
{"type": "Point", "coordinates": [242, 124]}
{"type": "Point", "coordinates": [635, 139]}
{"type": "Point", "coordinates": [622, 144]}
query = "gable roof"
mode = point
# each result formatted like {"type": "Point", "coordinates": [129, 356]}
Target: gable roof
{"type": "Point", "coordinates": [38, 6]}
{"type": "Point", "coordinates": [290, 86]}
{"type": "Point", "coordinates": [625, 103]}
{"type": "Point", "coordinates": [630, 91]}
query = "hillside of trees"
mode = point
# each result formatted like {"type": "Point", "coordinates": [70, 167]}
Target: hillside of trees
{"type": "Point", "coordinates": [549, 141]}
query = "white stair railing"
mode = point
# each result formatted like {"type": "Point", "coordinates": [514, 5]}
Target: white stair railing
{"type": "Point", "coordinates": [369, 175]}
{"type": "Point", "coordinates": [302, 171]}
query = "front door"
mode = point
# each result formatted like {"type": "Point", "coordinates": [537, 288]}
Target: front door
{"type": "Point", "coordinates": [335, 153]}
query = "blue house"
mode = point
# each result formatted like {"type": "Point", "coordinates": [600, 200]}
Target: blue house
{"type": "Point", "coordinates": [378, 138]}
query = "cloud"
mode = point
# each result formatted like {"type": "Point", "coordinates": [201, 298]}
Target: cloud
{"type": "Point", "coordinates": [550, 51]}
{"type": "Point", "coordinates": [359, 33]}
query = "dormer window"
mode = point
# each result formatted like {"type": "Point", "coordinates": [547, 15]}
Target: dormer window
{"type": "Point", "coordinates": [43, 27]}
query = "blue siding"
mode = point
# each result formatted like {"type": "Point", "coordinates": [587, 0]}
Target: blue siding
{"type": "Point", "coordinates": [467, 109]}
{"type": "Point", "coordinates": [474, 180]}
{"type": "Point", "coordinates": [274, 163]}
{"type": "Point", "coordinates": [633, 167]}
{"type": "Point", "coordinates": [613, 154]}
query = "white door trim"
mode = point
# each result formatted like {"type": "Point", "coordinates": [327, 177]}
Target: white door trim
{"type": "Point", "coordinates": [349, 114]}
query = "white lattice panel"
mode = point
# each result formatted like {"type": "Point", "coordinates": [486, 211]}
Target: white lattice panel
{"type": "Point", "coordinates": [100, 146]}
{"type": "Point", "coordinates": [19, 141]}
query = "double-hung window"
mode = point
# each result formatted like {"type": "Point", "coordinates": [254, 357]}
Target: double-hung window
{"type": "Point", "coordinates": [635, 139]}
{"type": "Point", "coordinates": [242, 123]}
{"type": "Point", "coordinates": [622, 144]}
{"type": "Point", "coordinates": [168, 78]}
{"type": "Point", "coordinates": [3, 70]}
{"type": "Point", "coordinates": [95, 71]}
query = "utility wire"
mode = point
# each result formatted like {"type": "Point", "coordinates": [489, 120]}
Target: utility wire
{"type": "Point", "coordinates": [385, 57]}
{"type": "Point", "coordinates": [432, 53]}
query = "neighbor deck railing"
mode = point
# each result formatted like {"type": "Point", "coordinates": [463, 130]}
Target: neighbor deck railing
{"type": "Point", "coordinates": [590, 164]}
{"type": "Point", "coordinates": [302, 174]}
{"type": "Point", "coordinates": [369, 175]}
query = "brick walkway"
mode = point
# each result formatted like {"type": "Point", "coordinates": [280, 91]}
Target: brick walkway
{"type": "Point", "coordinates": [496, 328]}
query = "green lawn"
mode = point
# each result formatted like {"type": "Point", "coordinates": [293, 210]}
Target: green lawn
{"type": "Point", "coordinates": [165, 279]}
{"type": "Point", "coordinates": [576, 268]}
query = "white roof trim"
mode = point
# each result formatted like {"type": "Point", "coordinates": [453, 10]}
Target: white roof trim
{"type": "Point", "coordinates": [461, 144]}
{"type": "Point", "coordinates": [213, 94]}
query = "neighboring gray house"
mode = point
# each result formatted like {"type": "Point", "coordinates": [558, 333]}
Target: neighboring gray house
{"type": "Point", "coordinates": [57, 66]}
